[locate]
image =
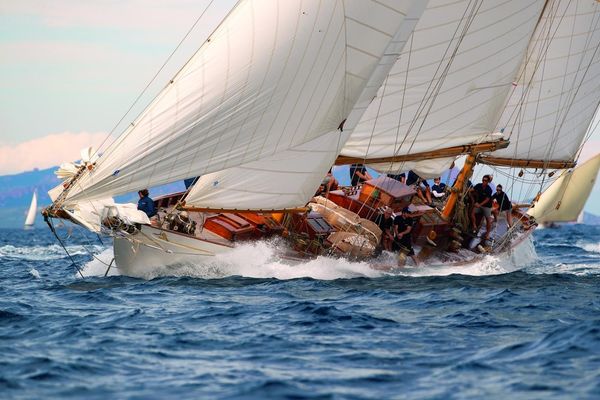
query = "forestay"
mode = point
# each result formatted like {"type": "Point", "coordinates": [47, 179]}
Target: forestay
{"type": "Point", "coordinates": [450, 83]}
{"type": "Point", "coordinates": [558, 88]}
{"type": "Point", "coordinates": [273, 76]}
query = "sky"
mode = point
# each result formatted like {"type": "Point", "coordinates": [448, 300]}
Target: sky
{"type": "Point", "coordinates": [69, 71]}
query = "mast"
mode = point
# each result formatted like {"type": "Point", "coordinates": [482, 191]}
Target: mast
{"type": "Point", "coordinates": [457, 190]}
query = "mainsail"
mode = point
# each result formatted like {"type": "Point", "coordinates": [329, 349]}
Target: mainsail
{"type": "Point", "coordinates": [450, 83]}
{"type": "Point", "coordinates": [30, 220]}
{"type": "Point", "coordinates": [273, 77]}
{"type": "Point", "coordinates": [557, 90]}
{"type": "Point", "coordinates": [564, 200]}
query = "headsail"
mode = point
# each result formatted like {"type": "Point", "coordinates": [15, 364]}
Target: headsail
{"type": "Point", "coordinates": [288, 178]}
{"type": "Point", "coordinates": [448, 86]}
{"type": "Point", "coordinates": [30, 220]}
{"type": "Point", "coordinates": [272, 77]}
{"type": "Point", "coordinates": [564, 200]}
{"type": "Point", "coordinates": [558, 88]}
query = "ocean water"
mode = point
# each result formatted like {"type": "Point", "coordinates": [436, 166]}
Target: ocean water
{"type": "Point", "coordinates": [248, 326]}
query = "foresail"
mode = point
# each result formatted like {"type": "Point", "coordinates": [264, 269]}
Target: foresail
{"type": "Point", "coordinates": [289, 178]}
{"type": "Point", "coordinates": [564, 200]}
{"type": "Point", "coordinates": [449, 84]}
{"type": "Point", "coordinates": [558, 87]}
{"type": "Point", "coordinates": [273, 76]}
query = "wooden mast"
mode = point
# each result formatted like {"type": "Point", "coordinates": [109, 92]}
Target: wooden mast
{"type": "Point", "coordinates": [465, 173]}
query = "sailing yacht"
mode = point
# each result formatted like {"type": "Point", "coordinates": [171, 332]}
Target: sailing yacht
{"type": "Point", "coordinates": [279, 93]}
{"type": "Point", "coordinates": [32, 212]}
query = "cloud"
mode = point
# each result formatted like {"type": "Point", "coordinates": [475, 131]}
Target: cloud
{"type": "Point", "coordinates": [46, 151]}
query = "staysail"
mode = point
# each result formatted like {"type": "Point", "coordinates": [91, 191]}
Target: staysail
{"type": "Point", "coordinates": [272, 77]}
{"type": "Point", "coordinates": [30, 220]}
{"type": "Point", "coordinates": [449, 84]}
{"type": "Point", "coordinates": [564, 200]}
{"type": "Point", "coordinates": [557, 90]}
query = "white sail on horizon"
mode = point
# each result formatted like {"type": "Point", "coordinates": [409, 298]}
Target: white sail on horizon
{"type": "Point", "coordinates": [32, 212]}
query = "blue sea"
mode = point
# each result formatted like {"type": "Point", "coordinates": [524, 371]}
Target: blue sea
{"type": "Point", "coordinates": [247, 326]}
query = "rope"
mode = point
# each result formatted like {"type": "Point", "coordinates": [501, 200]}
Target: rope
{"type": "Point", "coordinates": [50, 224]}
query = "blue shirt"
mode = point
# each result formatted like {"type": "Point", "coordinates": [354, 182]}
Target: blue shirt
{"type": "Point", "coordinates": [146, 204]}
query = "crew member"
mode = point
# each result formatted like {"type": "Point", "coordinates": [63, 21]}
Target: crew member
{"type": "Point", "coordinates": [438, 190]}
{"type": "Point", "coordinates": [421, 186]}
{"type": "Point", "coordinates": [146, 204]}
{"type": "Point", "coordinates": [359, 174]}
{"type": "Point", "coordinates": [481, 197]}
{"type": "Point", "coordinates": [385, 222]}
{"type": "Point", "coordinates": [504, 204]}
{"type": "Point", "coordinates": [403, 226]}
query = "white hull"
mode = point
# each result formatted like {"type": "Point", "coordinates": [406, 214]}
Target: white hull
{"type": "Point", "coordinates": [139, 254]}
{"type": "Point", "coordinates": [142, 254]}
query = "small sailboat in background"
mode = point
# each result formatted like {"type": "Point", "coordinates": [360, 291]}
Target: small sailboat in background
{"type": "Point", "coordinates": [30, 220]}
{"type": "Point", "coordinates": [564, 200]}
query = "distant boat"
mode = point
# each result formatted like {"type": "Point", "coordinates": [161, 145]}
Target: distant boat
{"type": "Point", "coordinates": [30, 220]}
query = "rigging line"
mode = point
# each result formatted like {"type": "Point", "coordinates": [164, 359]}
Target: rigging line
{"type": "Point", "coordinates": [53, 230]}
{"type": "Point", "coordinates": [439, 84]}
{"type": "Point", "coordinates": [579, 86]}
{"type": "Point", "coordinates": [155, 75]}
{"type": "Point", "coordinates": [544, 46]}
{"type": "Point", "coordinates": [412, 37]}
{"type": "Point", "coordinates": [529, 53]}
{"type": "Point", "coordinates": [574, 96]}
{"type": "Point", "coordinates": [427, 96]}
{"type": "Point", "coordinates": [148, 85]}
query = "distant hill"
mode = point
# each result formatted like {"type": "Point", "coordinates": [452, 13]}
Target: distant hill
{"type": "Point", "coordinates": [590, 219]}
{"type": "Point", "coordinates": [16, 191]}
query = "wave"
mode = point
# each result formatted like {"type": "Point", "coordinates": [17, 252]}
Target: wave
{"type": "Point", "coordinates": [50, 252]}
{"type": "Point", "coordinates": [590, 247]}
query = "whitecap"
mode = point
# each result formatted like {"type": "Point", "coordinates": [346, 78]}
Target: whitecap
{"type": "Point", "coordinates": [41, 253]}
{"type": "Point", "coordinates": [35, 273]}
{"type": "Point", "coordinates": [99, 265]}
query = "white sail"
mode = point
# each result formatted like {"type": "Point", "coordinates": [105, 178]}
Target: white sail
{"type": "Point", "coordinates": [273, 76]}
{"type": "Point", "coordinates": [289, 178]}
{"type": "Point", "coordinates": [564, 200]}
{"type": "Point", "coordinates": [558, 88]}
{"type": "Point", "coordinates": [449, 84]}
{"type": "Point", "coordinates": [30, 220]}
